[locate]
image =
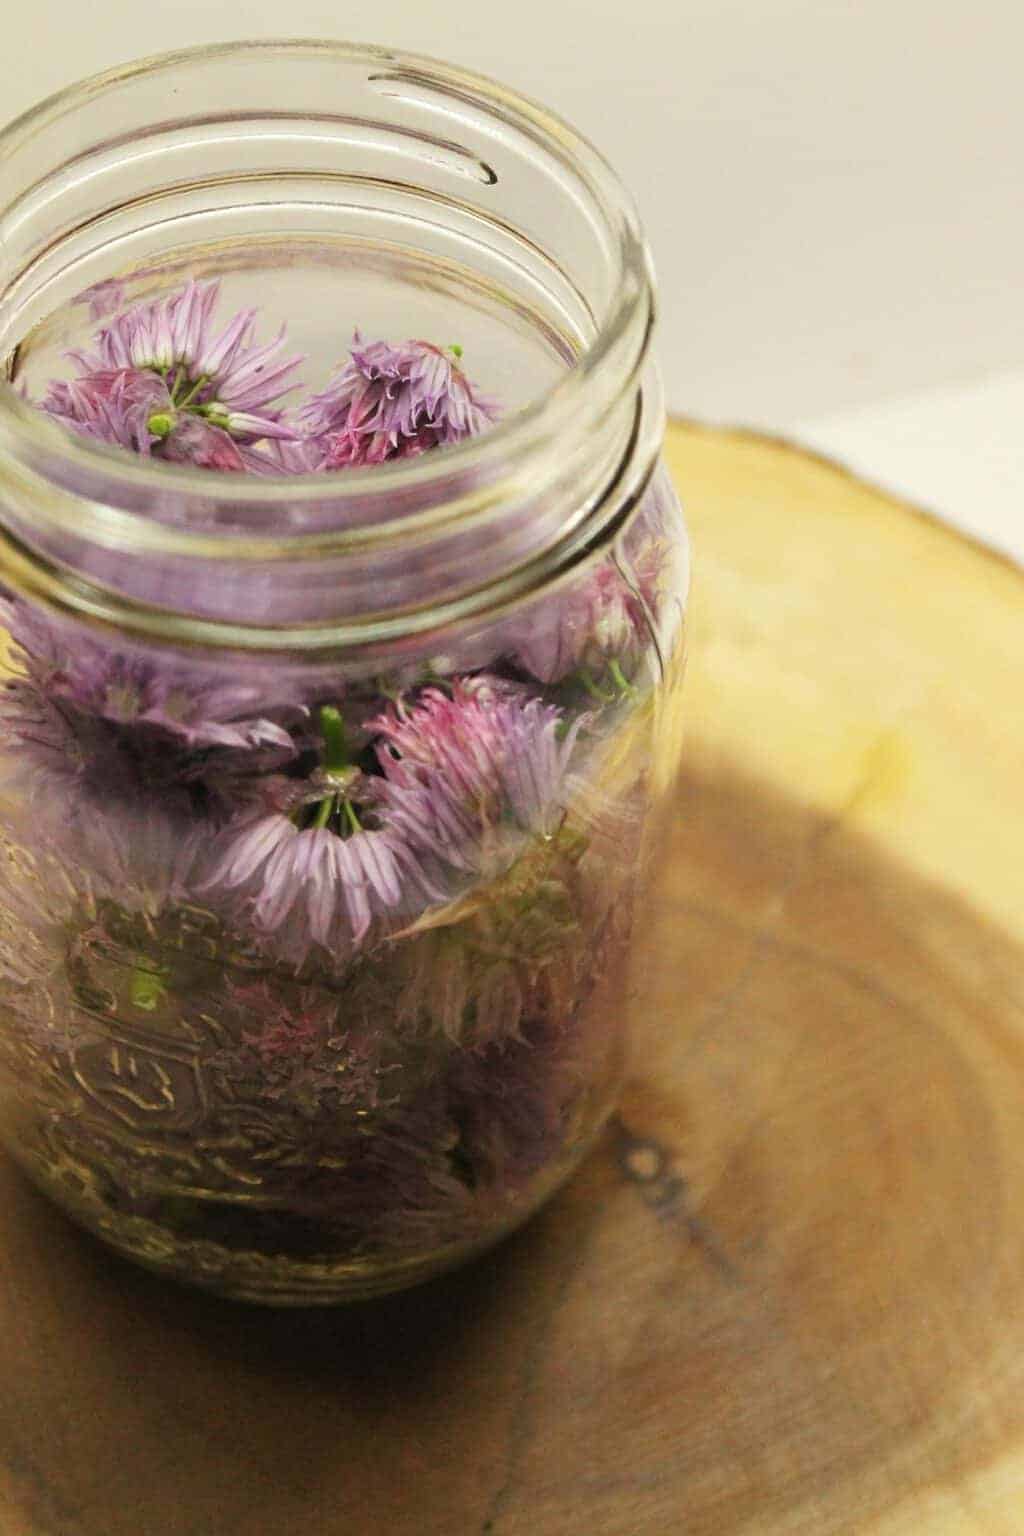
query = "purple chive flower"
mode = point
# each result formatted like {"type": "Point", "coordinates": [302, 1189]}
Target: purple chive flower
{"type": "Point", "coordinates": [601, 628]}
{"type": "Point", "coordinates": [452, 1159]}
{"type": "Point", "coordinates": [470, 770]}
{"type": "Point", "coordinates": [112, 822]}
{"type": "Point", "coordinates": [506, 761]}
{"type": "Point", "coordinates": [137, 850]}
{"type": "Point", "coordinates": [513, 1099]}
{"type": "Point", "coordinates": [320, 864]}
{"type": "Point", "coordinates": [78, 709]}
{"type": "Point", "coordinates": [301, 1046]}
{"type": "Point", "coordinates": [78, 845]}
{"type": "Point", "coordinates": [110, 405]}
{"type": "Point", "coordinates": [391, 402]}
{"type": "Point", "coordinates": [163, 381]}
{"type": "Point", "coordinates": [133, 409]}
{"type": "Point", "coordinates": [310, 886]}
{"type": "Point", "coordinates": [463, 778]}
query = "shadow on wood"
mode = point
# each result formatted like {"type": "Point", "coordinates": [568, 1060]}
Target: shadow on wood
{"type": "Point", "coordinates": [783, 1296]}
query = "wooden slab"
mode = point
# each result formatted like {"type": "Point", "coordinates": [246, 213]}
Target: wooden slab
{"type": "Point", "coordinates": [787, 1293]}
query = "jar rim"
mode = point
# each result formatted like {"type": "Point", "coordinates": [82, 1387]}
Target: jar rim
{"type": "Point", "coordinates": [614, 355]}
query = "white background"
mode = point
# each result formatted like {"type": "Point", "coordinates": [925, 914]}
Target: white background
{"type": "Point", "coordinates": [833, 192]}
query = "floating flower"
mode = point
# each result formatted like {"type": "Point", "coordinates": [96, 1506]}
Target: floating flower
{"type": "Point", "coordinates": [600, 629]}
{"type": "Point", "coordinates": [306, 886]}
{"type": "Point", "coordinates": [463, 776]}
{"type": "Point", "coordinates": [391, 402]}
{"type": "Point", "coordinates": [307, 871]}
{"type": "Point", "coordinates": [134, 410]}
{"type": "Point", "coordinates": [452, 1160]}
{"type": "Point", "coordinates": [137, 850]}
{"type": "Point", "coordinates": [110, 405]}
{"type": "Point", "coordinates": [77, 708]}
{"type": "Point", "coordinates": [507, 949]}
{"type": "Point", "coordinates": [163, 382]}
{"type": "Point", "coordinates": [503, 760]}
{"type": "Point", "coordinates": [306, 1047]}
{"type": "Point", "coordinates": [175, 338]}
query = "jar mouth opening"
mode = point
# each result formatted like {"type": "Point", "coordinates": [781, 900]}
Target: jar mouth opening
{"type": "Point", "coordinates": [606, 365]}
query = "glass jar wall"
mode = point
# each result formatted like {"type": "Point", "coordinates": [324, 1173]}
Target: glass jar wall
{"type": "Point", "coordinates": [328, 799]}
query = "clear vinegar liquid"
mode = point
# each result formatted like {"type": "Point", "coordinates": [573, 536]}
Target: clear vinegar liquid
{"type": "Point", "coordinates": [325, 291]}
{"type": "Point", "coordinates": [144, 1112]}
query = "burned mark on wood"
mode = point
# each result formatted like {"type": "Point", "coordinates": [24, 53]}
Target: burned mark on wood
{"type": "Point", "coordinates": [651, 1168]}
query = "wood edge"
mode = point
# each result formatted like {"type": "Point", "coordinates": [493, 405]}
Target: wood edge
{"type": "Point", "coordinates": [792, 446]}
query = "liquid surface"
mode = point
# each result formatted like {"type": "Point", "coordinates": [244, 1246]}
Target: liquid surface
{"type": "Point", "coordinates": [326, 291]}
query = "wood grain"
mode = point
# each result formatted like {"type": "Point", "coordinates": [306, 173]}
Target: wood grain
{"type": "Point", "coordinates": [784, 1296]}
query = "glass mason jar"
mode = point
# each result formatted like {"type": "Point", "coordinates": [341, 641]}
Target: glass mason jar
{"type": "Point", "coordinates": [328, 801]}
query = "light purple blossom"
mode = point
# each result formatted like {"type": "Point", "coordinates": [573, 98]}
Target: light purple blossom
{"type": "Point", "coordinates": [604, 622]}
{"type": "Point", "coordinates": [110, 405]}
{"type": "Point", "coordinates": [194, 441]}
{"type": "Point", "coordinates": [501, 757]}
{"type": "Point", "coordinates": [78, 708]}
{"type": "Point", "coordinates": [175, 337]}
{"type": "Point", "coordinates": [304, 1047]}
{"type": "Point", "coordinates": [202, 707]}
{"type": "Point", "coordinates": [137, 850]}
{"type": "Point", "coordinates": [162, 381]}
{"type": "Point", "coordinates": [391, 402]}
{"type": "Point", "coordinates": [464, 779]}
{"type": "Point", "coordinates": [133, 409]}
{"type": "Point", "coordinates": [310, 886]}
{"type": "Point", "coordinates": [452, 1157]}
{"type": "Point", "coordinates": [116, 829]}
{"type": "Point", "coordinates": [78, 843]}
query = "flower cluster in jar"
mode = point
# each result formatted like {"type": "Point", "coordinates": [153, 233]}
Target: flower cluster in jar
{"type": "Point", "coordinates": [325, 823]}
{"type": "Point", "coordinates": [165, 381]}
{"type": "Point", "coordinates": [334, 818]}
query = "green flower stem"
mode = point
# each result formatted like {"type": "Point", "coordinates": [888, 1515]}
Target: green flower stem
{"type": "Point", "coordinates": [389, 691]}
{"type": "Point", "coordinates": [332, 729]}
{"type": "Point", "coordinates": [336, 760]}
{"type": "Point", "coordinates": [199, 384]}
{"type": "Point", "coordinates": [323, 813]}
{"type": "Point", "coordinates": [621, 681]}
{"type": "Point", "coordinates": [595, 692]}
{"type": "Point", "coordinates": [353, 819]}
